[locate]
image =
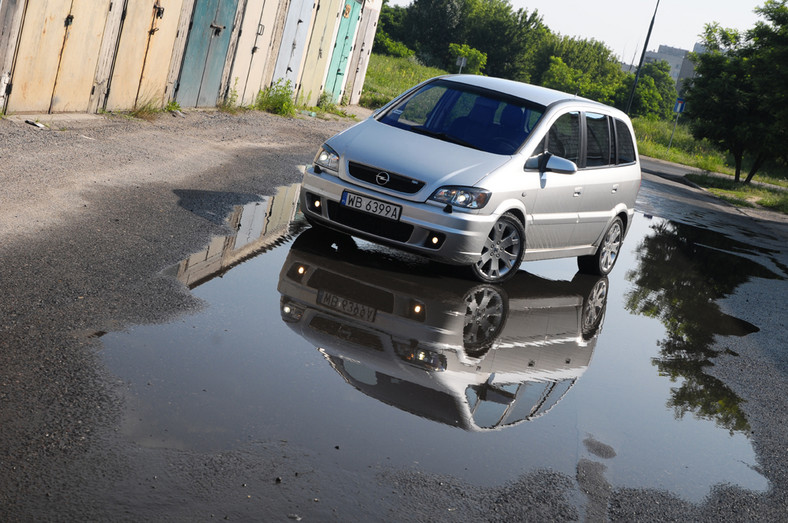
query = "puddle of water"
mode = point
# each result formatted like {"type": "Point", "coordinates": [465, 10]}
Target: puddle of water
{"type": "Point", "coordinates": [369, 358]}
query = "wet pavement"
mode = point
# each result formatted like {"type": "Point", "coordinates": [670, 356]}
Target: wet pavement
{"type": "Point", "coordinates": [370, 359]}
{"type": "Point", "coordinates": [267, 374]}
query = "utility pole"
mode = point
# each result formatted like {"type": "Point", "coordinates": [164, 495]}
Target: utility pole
{"type": "Point", "coordinates": [642, 58]}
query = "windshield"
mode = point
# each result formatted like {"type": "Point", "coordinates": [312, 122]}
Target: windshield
{"type": "Point", "coordinates": [482, 119]}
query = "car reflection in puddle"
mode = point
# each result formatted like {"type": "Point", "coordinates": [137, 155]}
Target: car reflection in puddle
{"type": "Point", "coordinates": [416, 341]}
{"type": "Point", "coordinates": [471, 355]}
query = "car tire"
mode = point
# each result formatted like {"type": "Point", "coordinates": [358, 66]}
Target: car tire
{"type": "Point", "coordinates": [594, 309]}
{"type": "Point", "coordinates": [486, 310]}
{"type": "Point", "coordinates": [602, 261]}
{"type": "Point", "coordinates": [502, 252]}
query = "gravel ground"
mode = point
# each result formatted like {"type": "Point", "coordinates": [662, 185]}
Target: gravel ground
{"type": "Point", "coordinates": [89, 217]}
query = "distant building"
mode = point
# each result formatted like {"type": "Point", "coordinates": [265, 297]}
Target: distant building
{"type": "Point", "coordinates": [673, 56]}
{"type": "Point", "coordinates": [681, 67]}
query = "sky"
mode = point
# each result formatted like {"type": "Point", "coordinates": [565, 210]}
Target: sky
{"type": "Point", "coordinates": [623, 24]}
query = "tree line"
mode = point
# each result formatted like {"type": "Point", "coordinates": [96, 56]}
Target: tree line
{"type": "Point", "coordinates": [737, 99]}
{"type": "Point", "coordinates": [497, 40]}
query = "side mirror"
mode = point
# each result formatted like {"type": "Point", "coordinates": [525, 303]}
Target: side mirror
{"type": "Point", "coordinates": [550, 162]}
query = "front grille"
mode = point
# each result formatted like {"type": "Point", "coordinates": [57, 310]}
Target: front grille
{"type": "Point", "coordinates": [370, 223]}
{"type": "Point", "coordinates": [396, 182]}
{"type": "Point", "coordinates": [346, 332]}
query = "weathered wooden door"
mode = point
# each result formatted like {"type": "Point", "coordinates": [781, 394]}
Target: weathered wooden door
{"type": "Point", "coordinates": [359, 59]}
{"type": "Point", "coordinates": [206, 52]}
{"type": "Point", "coordinates": [296, 31]}
{"type": "Point", "coordinates": [337, 68]}
{"type": "Point", "coordinates": [253, 50]}
{"type": "Point", "coordinates": [318, 51]}
{"type": "Point", "coordinates": [139, 72]}
{"type": "Point", "coordinates": [57, 54]}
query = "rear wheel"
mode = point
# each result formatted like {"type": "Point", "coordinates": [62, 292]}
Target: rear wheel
{"type": "Point", "coordinates": [502, 252]}
{"type": "Point", "coordinates": [606, 255]}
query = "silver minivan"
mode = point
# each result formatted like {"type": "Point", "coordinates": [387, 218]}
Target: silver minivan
{"type": "Point", "coordinates": [483, 172]}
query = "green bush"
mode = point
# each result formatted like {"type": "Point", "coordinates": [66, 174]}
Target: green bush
{"type": "Point", "coordinates": [277, 99]}
{"type": "Point", "coordinates": [385, 45]}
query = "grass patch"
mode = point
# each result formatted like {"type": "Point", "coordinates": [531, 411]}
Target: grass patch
{"type": "Point", "coordinates": [277, 99]}
{"type": "Point", "coordinates": [325, 105]}
{"type": "Point", "coordinates": [230, 103]}
{"type": "Point", "coordinates": [147, 110]}
{"type": "Point", "coordinates": [743, 195]}
{"type": "Point", "coordinates": [654, 137]}
{"type": "Point", "coordinates": [389, 76]}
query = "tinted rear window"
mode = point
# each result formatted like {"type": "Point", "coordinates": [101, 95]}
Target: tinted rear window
{"type": "Point", "coordinates": [626, 146]}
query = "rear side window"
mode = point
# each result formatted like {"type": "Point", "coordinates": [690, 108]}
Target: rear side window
{"type": "Point", "coordinates": [598, 147]}
{"type": "Point", "coordinates": [626, 146]}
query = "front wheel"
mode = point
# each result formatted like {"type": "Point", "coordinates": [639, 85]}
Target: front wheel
{"type": "Point", "coordinates": [606, 255]}
{"type": "Point", "coordinates": [502, 252]}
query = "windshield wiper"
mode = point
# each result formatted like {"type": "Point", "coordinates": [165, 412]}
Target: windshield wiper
{"type": "Point", "coordinates": [442, 136]}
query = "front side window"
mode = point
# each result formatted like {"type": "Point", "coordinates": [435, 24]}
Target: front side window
{"type": "Point", "coordinates": [563, 139]}
{"type": "Point", "coordinates": [478, 118]}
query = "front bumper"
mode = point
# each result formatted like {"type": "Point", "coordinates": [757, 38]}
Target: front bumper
{"type": "Point", "coordinates": [425, 228]}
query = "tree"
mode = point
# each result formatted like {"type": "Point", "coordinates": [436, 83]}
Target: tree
{"type": "Point", "coordinates": [769, 45]}
{"type": "Point", "coordinates": [738, 98]}
{"type": "Point", "coordinates": [475, 59]}
{"type": "Point", "coordinates": [509, 38]}
{"type": "Point", "coordinates": [393, 21]}
{"type": "Point", "coordinates": [564, 78]}
{"type": "Point", "coordinates": [431, 25]}
{"type": "Point", "coordinates": [647, 101]}
{"type": "Point", "coordinates": [591, 57]}
{"type": "Point", "coordinates": [664, 84]}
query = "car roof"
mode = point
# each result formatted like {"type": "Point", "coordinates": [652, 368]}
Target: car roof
{"type": "Point", "coordinates": [540, 95]}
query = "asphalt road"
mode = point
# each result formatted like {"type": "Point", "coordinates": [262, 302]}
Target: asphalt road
{"type": "Point", "coordinates": [89, 216]}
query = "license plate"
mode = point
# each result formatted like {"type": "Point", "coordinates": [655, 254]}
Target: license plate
{"type": "Point", "coordinates": [345, 306]}
{"type": "Point", "coordinates": [377, 207]}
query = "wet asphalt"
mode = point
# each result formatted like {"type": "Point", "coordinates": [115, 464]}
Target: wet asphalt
{"type": "Point", "coordinates": [95, 267]}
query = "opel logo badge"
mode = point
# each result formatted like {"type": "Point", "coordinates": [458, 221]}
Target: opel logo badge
{"type": "Point", "coordinates": [382, 178]}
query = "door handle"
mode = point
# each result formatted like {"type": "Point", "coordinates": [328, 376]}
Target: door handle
{"type": "Point", "coordinates": [217, 29]}
{"type": "Point", "coordinates": [615, 189]}
{"type": "Point", "coordinates": [578, 192]}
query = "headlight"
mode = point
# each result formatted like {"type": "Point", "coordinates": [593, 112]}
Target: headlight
{"type": "Point", "coordinates": [327, 159]}
{"type": "Point", "coordinates": [465, 197]}
{"type": "Point", "coordinates": [424, 358]}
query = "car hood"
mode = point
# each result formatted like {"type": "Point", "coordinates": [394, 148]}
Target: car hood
{"type": "Point", "coordinates": [397, 151]}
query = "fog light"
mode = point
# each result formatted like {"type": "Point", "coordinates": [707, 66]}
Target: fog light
{"type": "Point", "coordinates": [291, 312]}
{"type": "Point", "coordinates": [434, 240]}
{"type": "Point", "coordinates": [313, 203]}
